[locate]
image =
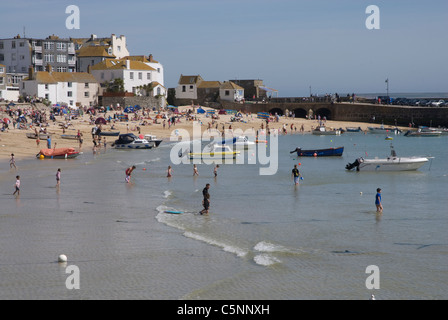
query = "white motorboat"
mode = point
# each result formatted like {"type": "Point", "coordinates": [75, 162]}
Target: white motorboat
{"type": "Point", "coordinates": [244, 142]}
{"type": "Point", "coordinates": [391, 163]}
{"type": "Point", "coordinates": [383, 130]}
{"type": "Point", "coordinates": [322, 130]}
{"type": "Point", "coordinates": [131, 141]}
{"type": "Point", "coordinates": [153, 138]}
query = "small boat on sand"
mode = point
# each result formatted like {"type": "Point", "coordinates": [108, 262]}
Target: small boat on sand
{"type": "Point", "coordinates": [57, 153]}
{"type": "Point", "coordinates": [69, 136]}
{"type": "Point", "coordinates": [421, 133]}
{"type": "Point", "coordinates": [42, 136]}
{"type": "Point", "coordinates": [109, 133]}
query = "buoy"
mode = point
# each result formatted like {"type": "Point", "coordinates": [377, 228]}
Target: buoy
{"type": "Point", "coordinates": [62, 258]}
{"type": "Point", "coordinates": [41, 156]}
{"type": "Point", "coordinates": [360, 193]}
{"type": "Point", "coordinates": [315, 154]}
{"type": "Point", "coordinates": [144, 169]}
{"type": "Point", "coordinates": [300, 164]}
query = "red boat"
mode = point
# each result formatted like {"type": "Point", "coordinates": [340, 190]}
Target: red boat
{"type": "Point", "coordinates": [57, 153]}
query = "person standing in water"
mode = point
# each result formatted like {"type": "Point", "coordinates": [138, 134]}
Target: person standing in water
{"type": "Point", "coordinates": [296, 175]}
{"type": "Point", "coordinates": [215, 171]}
{"type": "Point", "coordinates": [169, 172]}
{"type": "Point", "coordinates": [128, 173]}
{"type": "Point", "coordinates": [206, 201]}
{"type": "Point", "coordinates": [378, 203]}
{"type": "Point", "coordinates": [58, 177]}
{"type": "Point", "coordinates": [195, 171]}
{"type": "Point", "coordinates": [17, 185]}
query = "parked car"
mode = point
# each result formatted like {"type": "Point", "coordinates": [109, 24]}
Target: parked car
{"type": "Point", "coordinates": [437, 103]}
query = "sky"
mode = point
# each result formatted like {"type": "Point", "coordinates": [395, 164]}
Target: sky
{"type": "Point", "coordinates": [294, 46]}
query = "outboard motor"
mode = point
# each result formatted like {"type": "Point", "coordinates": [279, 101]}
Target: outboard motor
{"type": "Point", "coordinates": [356, 164]}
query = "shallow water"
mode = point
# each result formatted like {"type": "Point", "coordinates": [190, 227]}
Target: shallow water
{"type": "Point", "coordinates": [263, 239]}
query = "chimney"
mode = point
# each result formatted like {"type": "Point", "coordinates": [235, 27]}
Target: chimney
{"type": "Point", "coordinates": [48, 68]}
{"type": "Point", "coordinates": [128, 64]}
{"type": "Point", "coordinates": [31, 73]}
{"type": "Point", "coordinates": [150, 58]}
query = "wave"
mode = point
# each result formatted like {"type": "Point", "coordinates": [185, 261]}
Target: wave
{"type": "Point", "coordinates": [225, 246]}
{"type": "Point", "coordinates": [266, 260]}
{"type": "Point", "coordinates": [268, 247]}
{"type": "Point", "coordinates": [167, 193]}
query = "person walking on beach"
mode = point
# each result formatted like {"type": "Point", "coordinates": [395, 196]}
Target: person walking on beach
{"type": "Point", "coordinates": [215, 171]}
{"type": "Point", "coordinates": [378, 203]}
{"type": "Point", "coordinates": [12, 162]}
{"type": "Point", "coordinates": [195, 171]}
{"type": "Point", "coordinates": [128, 173]}
{"type": "Point", "coordinates": [58, 177]}
{"type": "Point", "coordinates": [296, 175]}
{"type": "Point", "coordinates": [206, 201]}
{"type": "Point", "coordinates": [169, 172]}
{"type": "Point", "coordinates": [17, 185]}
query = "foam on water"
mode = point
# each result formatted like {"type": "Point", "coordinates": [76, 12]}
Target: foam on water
{"type": "Point", "coordinates": [167, 193]}
{"type": "Point", "coordinates": [266, 260]}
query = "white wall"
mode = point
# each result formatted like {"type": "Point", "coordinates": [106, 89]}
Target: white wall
{"type": "Point", "coordinates": [190, 91]}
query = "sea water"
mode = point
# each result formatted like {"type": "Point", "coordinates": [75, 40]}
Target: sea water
{"type": "Point", "coordinates": [264, 237]}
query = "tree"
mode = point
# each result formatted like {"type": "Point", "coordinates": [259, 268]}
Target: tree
{"type": "Point", "coordinates": [115, 86]}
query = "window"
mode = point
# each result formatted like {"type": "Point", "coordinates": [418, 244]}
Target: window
{"type": "Point", "coordinates": [23, 83]}
{"type": "Point", "coordinates": [158, 91]}
{"type": "Point", "coordinates": [86, 85]}
{"type": "Point", "coordinates": [119, 48]}
{"type": "Point", "coordinates": [140, 76]}
{"type": "Point", "coordinates": [22, 44]}
{"type": "Point", "coordinates": [2, 57]}
{"type": "Point", "coordinates": [13, 44]}
{"type": "Point", "coordinates": [71, 102]}
{"type": "Point", "coordinates": [1, 81]}
{"type": "Point", "coordinates": [61, 69]}
{"type": "Point", "coordinates": [148, 76]}
{"type": "Point", "coordinates": [227, 93]}
{"type": "Point", "coordinates": [69, 84]}
{"type": "Point", "coordinates": [49, 45]}
{"type": "Point", "coordinates": [131, 75]}
{"type": "Point", "coordinates": [69, 94]}
{"type": "Point", "coordinates": [86, 94]}
{"type": "Point", "coordinates": [61, 46]}
{"type": "Point", "coordinates": [1, 45]}
{"type": "Point", "coordinates": [158, 70]}
{"type": "Point", "coordinates": [22, 57]}
{"type": "Point", "coordinates": [48, 57]}
{"type": "Point", "coordinates": [13, 56]}
{"type": "Point", "coordinates": [184, 88]}
{"type": "Point", "coordinates": [2, 70]}
{"type": "Point", "coordinates": [191, 87]}
{"type": "Point", "coordinates": [46, 86]}
{"type": "Point", "coordinates": [47, 96]}
{"type": "Point", "coordinates": [61, 58]}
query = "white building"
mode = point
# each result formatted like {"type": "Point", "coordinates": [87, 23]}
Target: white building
{"type": "Point", "coordinates": [135, 74]}
{"type": "Point", "coordinates": [187, 87]}
{"type": "Point", "coordinates": [66, 88]}
{"type": "Point", "coordinates": [231, 92]}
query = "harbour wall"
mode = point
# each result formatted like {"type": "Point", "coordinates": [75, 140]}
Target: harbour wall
{"type": "Point", "coordinates": [359, 112]}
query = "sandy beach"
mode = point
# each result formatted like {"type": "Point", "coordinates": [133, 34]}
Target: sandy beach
{"type": "Point", "coordinates": [15, 140]}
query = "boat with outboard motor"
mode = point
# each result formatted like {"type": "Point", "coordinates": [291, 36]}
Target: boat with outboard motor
{"type": "Point", "coordinates": [391, 163]}
{"type": "Point", "coordinates": [329, 152]}
{"type": "Point", "coordinates": [131, 141]}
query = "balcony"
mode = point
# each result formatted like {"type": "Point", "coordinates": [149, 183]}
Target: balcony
{"type": "Point", "coordinates": [71, 62]}
{"type": "Point", "coordinates": [38, 62]}
{"type": "Point", "coordinates": [37, 49]}
{"type": "Point", "coordinates": [71, 50]}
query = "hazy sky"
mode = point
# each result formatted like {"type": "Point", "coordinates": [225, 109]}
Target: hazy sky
{"type": "Point", "coordinates": [290, 45]}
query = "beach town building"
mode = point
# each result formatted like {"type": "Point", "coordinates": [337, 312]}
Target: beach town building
{"type": "Point", "coordinates": [208, 91]}
{"type": "Point", "coordinates": [66, 88]}
{"type": "Point", "coordinates": [230, 91]}
{"type": "Point", "coordinates": [187, 87]}
{"type": "Point", "coordinates": [138, 77]}
{"type": "Point", "coordinates": [93, 50]}
{"type": "Point", "coordinates": [18, 54]}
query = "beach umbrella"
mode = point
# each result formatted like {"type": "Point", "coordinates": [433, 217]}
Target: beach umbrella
{"type": "Point", "coordinates": [137, 107]}
{"type": "Point", "coordinates": [129, 109]}
{"type": "Point", "coordinates": [6, 120]}
{"type": "Point", "coordinates": [100, 120]}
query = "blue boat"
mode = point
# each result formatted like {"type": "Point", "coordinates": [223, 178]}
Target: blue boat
{"type": "Point", "coordinates": [329, 152]}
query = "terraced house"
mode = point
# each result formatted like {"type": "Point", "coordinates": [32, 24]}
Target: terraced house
{"type": "Point", "coordinates": [73, 89]}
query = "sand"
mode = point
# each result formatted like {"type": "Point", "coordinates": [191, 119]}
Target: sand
{"type": "Point", "coordinates": [15, 140]}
